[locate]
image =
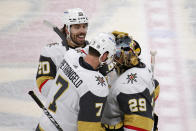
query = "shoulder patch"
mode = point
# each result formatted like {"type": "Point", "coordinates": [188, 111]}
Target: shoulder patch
{"type": "Point", "coordinates": [100, 80]}
{"type": "Point", "coordinates": [52, 44]}
{"type": "Point", "coordinates": [132, 77]}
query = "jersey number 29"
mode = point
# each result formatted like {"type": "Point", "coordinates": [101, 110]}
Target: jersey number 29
{"type": "Point", "coordinates": [136, 105]}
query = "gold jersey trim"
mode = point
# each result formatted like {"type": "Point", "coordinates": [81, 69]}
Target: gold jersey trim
{"type": "Point", "coordinates": [139, 122]}
{"type": "Point", "coordinates": [90, 126]}
{"type": "Point", "coordinates": [41, 79]}
{"type": "Point", "coordinates": [39, 128]}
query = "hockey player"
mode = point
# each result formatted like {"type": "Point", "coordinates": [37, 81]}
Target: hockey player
{"type": "Point", "coordinates": [77, 98]}
{"type": "Point", "coordinates": [130, 103]}
{"type": "Point", "coordinates": [75, 29]}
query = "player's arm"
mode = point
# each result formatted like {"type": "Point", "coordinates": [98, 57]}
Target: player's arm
{"type": "Point", "coordinates": [112, 119]}
{"type": "Point", "coordinates": [45, 73]}
{"type": "Point", "coordinates": [90, 113]}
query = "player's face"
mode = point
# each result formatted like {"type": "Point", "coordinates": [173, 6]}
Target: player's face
{"type": "Point", "coordinates": [78, 33]}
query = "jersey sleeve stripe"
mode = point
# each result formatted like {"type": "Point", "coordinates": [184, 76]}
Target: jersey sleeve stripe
{"type": "Point", "coordinates": [42, 80]}
{"type": "Point", "coordinates": [40, 88]}
{"type": "Point", "coordinates": [39, 128]}
{"type": "Point", "coordinates": [137, 121]}
{"type": "Point", "coordinates": [134, 128]}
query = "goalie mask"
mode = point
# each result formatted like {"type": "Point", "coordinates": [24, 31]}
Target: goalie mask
{"type": "Point", "coordinates": [127, 53]}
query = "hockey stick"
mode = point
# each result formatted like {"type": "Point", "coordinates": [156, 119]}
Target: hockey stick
{"type": "Point", "coordinates": [46, 112]}
{"type": "Point", "coordinates": [153, 54]}
{"type": "Point", "coordinates": [56, 29]}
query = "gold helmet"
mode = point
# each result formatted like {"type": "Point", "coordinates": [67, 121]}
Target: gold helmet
{"type": "Point", "coordinates": [127, 53]}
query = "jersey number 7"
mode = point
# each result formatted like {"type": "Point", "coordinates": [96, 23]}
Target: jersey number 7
{"type": "Point", "coordinates": [64, 85]}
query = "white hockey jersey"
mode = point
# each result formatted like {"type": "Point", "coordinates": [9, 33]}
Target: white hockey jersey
{"type": "Point", "coordinates": [77, 98]}
{"type": "Point", "coordinates": [50, 58]}
{"type": "Point", "coordinates": [130, 102]}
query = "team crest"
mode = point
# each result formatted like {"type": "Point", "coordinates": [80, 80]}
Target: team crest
{"type": "Point", "coordinates": [132, 78]}
{"type": "Point", "coordinates": [100, 80]}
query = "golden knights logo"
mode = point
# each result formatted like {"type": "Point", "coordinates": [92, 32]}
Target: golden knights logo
{"type": "Point", "coordinates": [132, 78]}
{"type": "Point", "coordinates": [100, 80]}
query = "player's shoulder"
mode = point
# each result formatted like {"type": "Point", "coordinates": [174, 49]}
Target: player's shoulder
{"type": "Point", "coordinates": [50, 45]}
{"type": "Point", "coordinates": [72, 55]}
{"type": "Point", "coordinates": [133, 80]}
{"type": "Point", "coordinates": [54, 45]}
{"type": "Point", "coordinates": [52, 49]}
{"type": "Point", "coordinates": [134, 74]}
{"type": "Point", "coordinates": [97, 83]}
{"type": "Point", "coordinates": [143, 71]}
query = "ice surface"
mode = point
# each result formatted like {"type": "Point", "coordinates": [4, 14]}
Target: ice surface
{"type": "Point", "coordinates": [168, 26]}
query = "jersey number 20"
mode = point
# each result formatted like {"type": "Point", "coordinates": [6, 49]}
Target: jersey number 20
{"type": "Point", "coordinates": [44, 67]}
